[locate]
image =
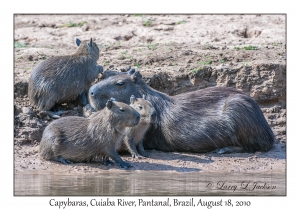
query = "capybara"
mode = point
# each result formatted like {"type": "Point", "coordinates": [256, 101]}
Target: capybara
{"type": "Point", "coordinates": [133, 141]}
{"type": "Point", "coordinates": [216, 118]}
{"type": "Point", "coordinates": [61, 79]}
{"type": "Point", "coordinates": [78, 139]}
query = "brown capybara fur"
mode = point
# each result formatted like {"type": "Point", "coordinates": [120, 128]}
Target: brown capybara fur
{"type": "Point", "coordinates": [79, 139]}
{"type": "Point", "coordinates": [133, 141]}
{"type": "Point", "coordinates": [199, 121]}
{"type": "Point", "coordinates": [61, 79]}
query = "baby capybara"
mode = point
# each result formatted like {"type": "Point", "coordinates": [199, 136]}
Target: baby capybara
{"type": "Point", "coordinates": [78, 139]}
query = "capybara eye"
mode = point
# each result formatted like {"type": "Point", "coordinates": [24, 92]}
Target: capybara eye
{"type": "Point", "coordinates": [121, 109]}
{"type": "Point", "coordinates": [120, 83]}
{"type": "Point", "coordinates": [140, 106]}
{"type": "Point", "coordinates": [92, 93]}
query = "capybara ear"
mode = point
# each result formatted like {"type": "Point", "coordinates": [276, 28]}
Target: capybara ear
{"type": "Point", "coordinates": [144, 97]}
{"type": "Point", "coordinates": [137, 75]}
{"type": "Point", "coordinates": [109, 104]}
{"type": "Point", "coordinates": [112, 99]}
{"type": "Point", "coordinates": [132, 99]}
{"type": "Point", "coordinates": [131, 71]}
{"type": "Point", "coordinates": [91, 42]}
{"type": "Point", "coordinates": [78, 41]}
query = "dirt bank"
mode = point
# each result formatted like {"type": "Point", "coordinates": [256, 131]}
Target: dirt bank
{"type": "Point", "coordinates": [175, 54]}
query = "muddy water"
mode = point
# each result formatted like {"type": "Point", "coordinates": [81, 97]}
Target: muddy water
{"type": "Point", "coordinates": [150, 183]}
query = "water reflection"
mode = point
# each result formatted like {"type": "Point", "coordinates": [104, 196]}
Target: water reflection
{"type": "Point", "coordinates": [151, 183]}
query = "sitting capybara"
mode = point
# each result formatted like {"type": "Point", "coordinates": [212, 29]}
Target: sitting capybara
{"type": "Point", "coordinates": [79, 139]}
{"type": "Point", "coordinates": [61, 79]}
{"type": "Point", "coordinates": [200, 121]}
{"type": "Point", "coordinates": [133, 141]}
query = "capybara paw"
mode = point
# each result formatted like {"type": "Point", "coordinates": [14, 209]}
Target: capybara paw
{"type": "Point", "coordinates": [108, 162]}
{"type": "Point", "coordinates": [64, 161]}
{"type": "Point", "coordinates": [145, 154]}
{"type": "Point", "coordinates": [88, 110]}
{"type": "Point", "coordinates": [136, 156]}
{"type": "Point", "coordinates": [231, 149]}
{"type": "Point", "coordinates": [125, 165]}
{"type": "Point", "coordinates": [224, 150]}
{"type": "Point", "coordinates": [54, 115]}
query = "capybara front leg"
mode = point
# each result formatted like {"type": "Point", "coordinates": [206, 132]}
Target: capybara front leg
{"type": "Point", "coordinates": [142, 150]}
{"type": "Point", "coordinates": [116, 157]}
{"type": "Point", "coordinates": [131, 147]}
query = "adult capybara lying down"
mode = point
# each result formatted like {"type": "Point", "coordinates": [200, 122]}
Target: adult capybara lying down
{"type": "Point", "coordinates": [61, 79]}
{"type": "Point", "coordinates": [79, 139]}
{"type": "Point", "coordinates": [199, 121]}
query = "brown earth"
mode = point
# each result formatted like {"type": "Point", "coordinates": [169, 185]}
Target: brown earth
{"type": "Point", "coordinates": [175, 54]}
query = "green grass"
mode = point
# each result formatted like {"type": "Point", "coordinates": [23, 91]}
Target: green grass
{"type": "Point", "coordinates": [236, 48]}
{"type": "Point", "coordinates": [19, 45]}
{"type": "Point", "coordinates": [43, 56]}
{"type": "Point", "coordinates": [26, 69]}
{"type": "Point", "coordinates": [71, 24]}
{"type": "Point", "coordinates": [106, 63]}
{"type": "Point", "coordinates": [195, 71]}
{"type": "Point", "coordinates": [208, 61]}
{"type": "Point", "coordinates": [170, 43]}
{"type": "Point", "coordinates": [250, 47]}
{"type": "Point", "coordinates": [170, 49]}
{"type": "Point", "coordinates": [106, 46]}
{"type": "Point", "coordinates": [203, 63]}
{"type": "Point", "coordinates": [124, 52]}
{"type": "Point", "coordinates": [278, 53]}
{"type": "Point", "coordinates": [152, 46]}
{"type": "Point", "coordinates": [246, 63]}
{"type": "Point", "coordinates": [129, 57]}
{"type": "Point", "coordinates": [181, 22]}
{"type": "Point", "coordinates": [147, 23]}
{"type": "Point", "coordinates": [277, 44]}
{"type": "Point", "coordinates": [137, 65]}
{"type": "Point", "coordinates": [222, 61]}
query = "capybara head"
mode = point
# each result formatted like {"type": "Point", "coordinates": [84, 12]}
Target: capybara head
{"type": "Point", "coordinates": [145, 108]}
{"type": "Point", "coordinates": [120, 87]}
{"type": "Point", "coordinates": [122, 115]}
{"type": "Point", "coordinates": [88, 47]}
